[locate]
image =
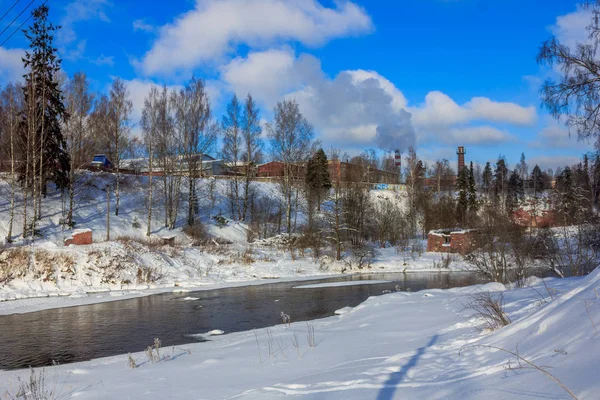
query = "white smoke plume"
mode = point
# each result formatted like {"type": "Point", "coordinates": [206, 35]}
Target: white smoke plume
{"type": "Point", "coordinates": [396, 134]}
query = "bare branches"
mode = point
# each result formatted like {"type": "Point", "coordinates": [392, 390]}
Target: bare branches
{"type": "Point", "coordinates": [576, 94]}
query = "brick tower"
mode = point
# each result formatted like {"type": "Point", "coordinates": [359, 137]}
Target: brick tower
{"type": "Point", "coordinates": [461, 158]}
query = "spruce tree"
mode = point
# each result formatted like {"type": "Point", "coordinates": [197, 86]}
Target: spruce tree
{"type": "Point", "coordinates": [537, 178]}
{"type": "Point", "coordinates": [42, 90]}
{"type": "Point", "coordinates": [42, 139]}
{"type": "Point", "coordinates": [487, 178]}
{"type": "Point", "coordinates": [500, 179]}
{"type": "Point", "coordinates": [462, 185]}
{"type": "Point", "coordinates": [318, 181]}
{"type": "Point", "coordinates": [514, 190]}
{"type": "Point", "coordinates": [472, 198]}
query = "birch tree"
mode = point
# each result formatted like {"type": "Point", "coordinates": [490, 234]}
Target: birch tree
{"type": "Point", "coordinates": [199, 136]}
{"type": "Point", "coordinates": [251, 146]}
{"type": "Point", "coordinates": [119, 114]}
{"type": "Point", "coordinates": [291, 137]}
{"type": "Point", "coordinates": [78, 140]}
{"type": "Point", "coordinates": [231, 126]}
{"type": "Point", "coordinates": [149, 125]}
{"type": "Point", "coordinates": [11, 105]}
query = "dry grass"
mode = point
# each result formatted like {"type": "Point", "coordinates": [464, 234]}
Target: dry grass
{"type": "Point", "coordinates": [18, 262]}
{"type": "Point", "coordinates": [490, 309]}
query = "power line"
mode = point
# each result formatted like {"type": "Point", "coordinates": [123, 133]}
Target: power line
{"type": "Point", "coordinates": [13, 21]}
{"type": "Point", "coordinates": [6, 13]}
{"type": "Point", "coordinates": [20, 26]}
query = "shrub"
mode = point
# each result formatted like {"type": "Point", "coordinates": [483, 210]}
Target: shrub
{"type": "Point", "coordinates": [220, 220]}
{"type": "Point", "coordinates": [136, 223]}
{"type": "Point", "coordinates": [490, 308]}
{"type": "Point", "coordinates": [197, 233]}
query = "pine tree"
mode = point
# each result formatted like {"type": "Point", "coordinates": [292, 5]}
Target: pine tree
{"type": "Point", "coordinates": [42, 139]}
{"type": "Point", "coordinates": [537, 179]}
{"type": "Point", "coordinates": [487, 178]}
{"type": "Point", "coordinates": [462, 185]}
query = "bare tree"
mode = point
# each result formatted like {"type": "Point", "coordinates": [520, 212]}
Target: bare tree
{"type": "Point", "coordinates": [120, 107]}
{"type": "Point", "coordinates": [576, 94]}
{"type": "Point", "coordinates": [198, 136]}
{"type": "Point", "coordinates": [251, 146]}
{"type": "Point", "coordinates": [79, 102]}
{"type": "Point", "coordinates": [149, 123]}
{"type": "Point", "coordinates": [231, 126]}
{"type": "Point", "coordinates": [291, 137]}
{"type": "Point", "coordinates": [11, 106]}
{"type": "Point", "coordinates": [170, 129]}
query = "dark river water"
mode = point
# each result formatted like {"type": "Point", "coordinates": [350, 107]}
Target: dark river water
{"type": "Point", "coordinates": [80, 333]}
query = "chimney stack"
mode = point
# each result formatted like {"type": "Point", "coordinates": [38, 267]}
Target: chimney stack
{"type": "Point", "coordinates": [398, 163]}
{"type": "Point", "coordinates": [461, 158]}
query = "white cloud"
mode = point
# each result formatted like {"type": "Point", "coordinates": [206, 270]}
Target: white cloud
{"type": "Point", "coordinates": [215, 28]}
{"type": "Point", "coordinates": [554, 161]}
{"type": "Point", "coordinates": [79, 11]}
{"type": "Point", "coordinates": [141, 25]}
{"type": "Point", "coordinates": [351, 107]}
{"type": "Point", "coordinates": [104, 60]}
{"type": "Point", "coordinates": [570, 29]}
{"type": "Point", "coordinates": [11, 65]}
{"type": "Point", "coordinates": [555, 135]}
{"type": "Point", "coordinates": [478, 135]}
{"type": "Point", "coordinates": [440, 110]}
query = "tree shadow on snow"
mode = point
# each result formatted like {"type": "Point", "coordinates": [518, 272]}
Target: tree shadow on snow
{"type": "Point", "coordinates": [389, 387]}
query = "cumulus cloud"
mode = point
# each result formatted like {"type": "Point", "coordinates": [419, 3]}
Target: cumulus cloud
{"type": "Point", "coordinates": [555, 161]}
{"type": "Point", "coordinates": [556, 136]}
{"type": "Point", "coordinates": [440, 110]}
{"type": "Point", "coordinates": [478, 135]}
{"type": "Point", "coordinates": [570, 28]}
{"type": "Point", "coordinates": [215, 28]}
{"type": "Point", "coordinates": [362, 108]}
{"type": "Point", "coordinates": [11, 65]}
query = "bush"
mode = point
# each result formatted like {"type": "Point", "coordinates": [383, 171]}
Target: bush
{"type": "Point", "coordinates": [490, 308]}
{"type": "Point", "coordinates": [136, 223]}
{"type": "Point", "coordinates": [197, 233]}
{"type": "Point", "coordinates": [220, 220]}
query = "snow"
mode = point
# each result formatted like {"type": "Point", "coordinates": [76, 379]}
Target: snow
{"type": "Point", "coordinates": [337, 284]}
{"type": "Point", "coordinates": [400, 345]}
{"type": "Point", "coordinates": [75, 275]}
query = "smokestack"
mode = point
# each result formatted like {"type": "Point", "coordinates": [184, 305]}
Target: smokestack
{"type": "Point", "coordinates": [461, 158]}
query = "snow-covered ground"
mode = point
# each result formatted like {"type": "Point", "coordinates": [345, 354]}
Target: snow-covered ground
{"type": "Point", "coordinates": [129, 265]}
{"type": "Point", "coordinates": [423, 345]}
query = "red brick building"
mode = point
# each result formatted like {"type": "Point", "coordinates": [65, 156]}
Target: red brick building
{"type": "Point", "coordinates": [452, 241]}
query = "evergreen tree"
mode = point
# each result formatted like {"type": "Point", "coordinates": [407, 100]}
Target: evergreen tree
{"type": "Point", "coordinates": [472, 198]}
{"type": "Point", "coordinates": [537, 179]}
{"type": "Point", "coordinates": [318, 181]}
{"type": "Point", "coordinates": [514, 190]}
{"type": "Point", "coordinates": [42, 140]}
{"type": "Point", "coordinates": [500, 180]}
{"type": "Point", "coordinates": [565, 195]}
{"type": "Point", "coordinates": [462, 185]}
{"type": "Point", "coordinates": [487, 178]}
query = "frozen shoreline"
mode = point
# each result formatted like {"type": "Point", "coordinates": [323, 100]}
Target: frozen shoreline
{"type": "Point", "coordinates": [55, 300]}
{"type": "Point", "coordinates": [400, 345]}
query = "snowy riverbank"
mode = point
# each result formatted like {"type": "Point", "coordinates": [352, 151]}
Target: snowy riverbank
{"type": "Point", "coordinates": [401, 345]}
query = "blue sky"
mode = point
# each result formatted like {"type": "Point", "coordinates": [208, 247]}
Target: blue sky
{"type": "Point", "coordinates": [464, 70]}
